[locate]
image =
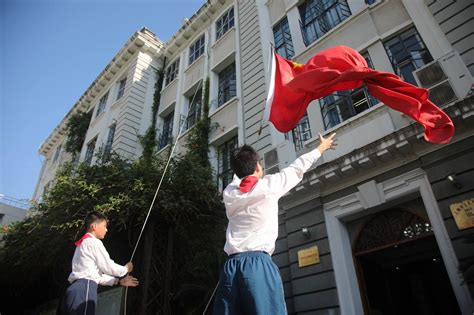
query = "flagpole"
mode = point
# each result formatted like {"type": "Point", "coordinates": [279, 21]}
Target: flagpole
{"type": "Point", "coordinates": [265, 100]}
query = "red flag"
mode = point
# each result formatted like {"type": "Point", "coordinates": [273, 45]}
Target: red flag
{"type": "Point", "coordinates": [293, 86]}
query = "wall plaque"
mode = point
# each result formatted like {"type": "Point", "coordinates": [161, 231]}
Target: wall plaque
{"type": "Point", "coordinates": [463, 213]}
{"type": "Point", "coordinates": [308, 256]}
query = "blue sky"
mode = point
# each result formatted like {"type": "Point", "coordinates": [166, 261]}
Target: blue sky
{"type": "Point", "coordinates": [50, 52]}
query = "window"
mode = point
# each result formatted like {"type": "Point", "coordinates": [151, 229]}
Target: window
{"type": "Point", "coordinates": [57, 153]}
{"type": "Point", "coordinates": [194, 112]}
{"type": "Point", "coordinates": [196, 49]}
{"type": "Point", "coordinates": [172, 72]}
{"type": "Point", "coordinates": [342, 105]}
{"type": "Point", "coordinates": [90, 151]}
{"type": "Point", "coordinates": [320, 16]}
{"type": "Point", "coordinates": [224, 23]}
{"type": "Point", "coordinates": [224, 171]}
{"type": "Point", "coordinates": [407, 52]}
{"type": "Point", "coordinates": [283, 42]}
{"type": "Point", "coordinates": [102, 103]}
{"type": "Point", "coordinates": [301, 133]}
{"type": "Point", "coordinates": [166, 132]}
{"type": "Point", "coordinates": [227, 85]}
{"type": "Point", "coordinates": [368, 59]}
{"type": "Point", "coordinates": [121, 88]}
{"type": "Point", "coordinates": [110, 140]}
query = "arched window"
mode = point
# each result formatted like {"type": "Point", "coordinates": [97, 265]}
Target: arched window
{"type": "Point", "coordinates": [391, 227]}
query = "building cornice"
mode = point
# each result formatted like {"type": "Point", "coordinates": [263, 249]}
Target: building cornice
{"type": "Point", "coordinates": [143, 40]}
{"type": "Point", "coordinates": [191, 26]}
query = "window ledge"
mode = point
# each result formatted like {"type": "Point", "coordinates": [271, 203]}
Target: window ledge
{"type": "Point", "coordinates": [170, 84]}
{"type": "Point", "coordinates": [162, 149]}
{"type": "Point", "coordinates": [226, 104]}
{"type": "Point", "coordinates": [184, 134]}
{"type": "Point", "coordinates": [352, 18]}
{"type": "Point", "coordinates": [361, 116]}
{"type": "Point", "coordinates": [196, 61]}
{"type": "Point", "coordinates": [96, 119]}
{"type": "Point", "coordinates": [218, 41]}
{"type": "Point", "coordinates": [118, 102]}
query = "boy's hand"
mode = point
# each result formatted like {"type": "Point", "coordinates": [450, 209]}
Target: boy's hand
{"type": "Point", "coordinates": [129, 266]}
{"type": "Point", "coordinates": [327, 143]}
{"type": "Point", "coordinates": [128, 281]}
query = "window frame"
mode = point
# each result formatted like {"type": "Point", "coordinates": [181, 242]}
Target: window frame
{"type": "Point", "coordinates": [196, 50]}
{"type": "Point", "coordinates": [224, 170]}
{"type": "Point", "coordinates": [409, 58]}
{"type": "Point", "coordinates": [102, 104]}
{"type": "Point", "coordinates": [282, 28]}
{"type": "Point", "coordinates": [194, 109]}
{"type": "Point", "coordinates": [224, 23]}
{"type": "Point", "coordinates": [90, 153]}
{"type": "Point", "coordinates": [110, 139]}
{"type": "Point", "coordinates": [172, 72]}
{"type": "Point", "coordinates": [301, 133]}
{"type": "Point", "coordinates": [227, 84]}
{"type": "Point", "coordinates": [121, 88]}
{"type": "Point", "coordinates": [322, 21]}
{"type": "Point", "coordinates": [166, 131]}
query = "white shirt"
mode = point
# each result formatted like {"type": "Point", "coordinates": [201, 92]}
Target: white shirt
{"type": "Point", "coordinates": [92, 261]}
{"type": "Point", "coordinates": [253, 216]}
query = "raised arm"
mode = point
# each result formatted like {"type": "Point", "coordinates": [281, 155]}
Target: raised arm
{"type": "Point", "coordinates": [282, 182]}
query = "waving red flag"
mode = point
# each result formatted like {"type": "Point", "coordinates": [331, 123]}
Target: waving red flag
{"type": "Point", "coordinates": [293, 86]}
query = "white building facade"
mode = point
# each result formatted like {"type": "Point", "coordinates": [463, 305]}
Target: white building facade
{"type": "Point", "coordinates": [119, 102]}
{"type": "Point", "coordinates": [379, 208]}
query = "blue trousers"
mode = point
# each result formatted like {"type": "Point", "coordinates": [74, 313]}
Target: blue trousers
{"type": "Point", "coordinates": [80, 298]}
{"type": "Point", "coordinates": [250, 283]}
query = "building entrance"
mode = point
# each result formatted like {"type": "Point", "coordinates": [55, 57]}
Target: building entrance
{"type": "Point", "coordinates": [399, 266]}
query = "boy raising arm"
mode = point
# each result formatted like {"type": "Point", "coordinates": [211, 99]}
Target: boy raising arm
{"type": "Point", "coordinates": [250, 282]}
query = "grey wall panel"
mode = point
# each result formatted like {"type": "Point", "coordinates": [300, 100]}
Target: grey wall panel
{"type": "Point", "coordinates": [317, 300]}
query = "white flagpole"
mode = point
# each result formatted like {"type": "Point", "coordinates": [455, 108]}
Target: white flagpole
{"type": "Point", "coordinates": [271, 85]}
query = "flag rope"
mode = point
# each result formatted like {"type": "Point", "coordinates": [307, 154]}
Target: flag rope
{"type": "Point", "coordinates": [158, 189]}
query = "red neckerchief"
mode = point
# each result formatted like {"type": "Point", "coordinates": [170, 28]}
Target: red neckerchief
{"type": "Point", "coordinates": [79, 242]}
{"type": "Point", "coordinates": [247, 183]}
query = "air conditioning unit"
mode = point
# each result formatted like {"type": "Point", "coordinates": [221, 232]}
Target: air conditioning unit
{"type": "Point", "coordinates": [279, 157]}
{"type": "Point", "coordinates": [447, 79]}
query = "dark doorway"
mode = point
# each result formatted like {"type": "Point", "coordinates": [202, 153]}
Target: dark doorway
{"type": "Point", "coordinates": [405, 276]}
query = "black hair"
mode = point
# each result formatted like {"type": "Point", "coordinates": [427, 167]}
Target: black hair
{"type": "Point", "coordinates": [93, 217]}
{"type": "Point", "coordinates": [244, 161]}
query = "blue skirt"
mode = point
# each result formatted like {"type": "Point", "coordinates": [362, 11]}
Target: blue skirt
{"type": "Point", "coordinates": [250, 283]}
{"type": "Point", "coordinates": [80, 298]}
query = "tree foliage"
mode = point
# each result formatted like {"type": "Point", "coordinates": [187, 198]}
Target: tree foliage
{"type": "Point", "coordinates": [77, 128]}
{"type": "Point", "coordinates": [36, 253]}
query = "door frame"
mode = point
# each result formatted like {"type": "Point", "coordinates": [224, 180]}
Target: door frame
{"type": "Point", "coordinates": [370, 195]}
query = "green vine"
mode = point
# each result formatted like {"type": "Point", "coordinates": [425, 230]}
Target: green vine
{"type": "Point", "coordinates": [76, 131]}
{"type": "Point", "coordinates": [198, 140]}
{"type": "Point", "coordinates": [148, 140]}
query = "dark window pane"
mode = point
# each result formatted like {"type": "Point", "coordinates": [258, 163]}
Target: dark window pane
{"type": "Point", "coordinates": [407, 52]}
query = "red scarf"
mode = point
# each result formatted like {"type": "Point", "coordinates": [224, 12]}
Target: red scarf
{"type": "Point", "coordinates": [79, 242]}
{"type": "Point", "coordinates": [248, 183]}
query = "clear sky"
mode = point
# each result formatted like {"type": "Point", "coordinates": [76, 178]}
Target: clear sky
{"type": "Point", "coordinates": [50, 52]}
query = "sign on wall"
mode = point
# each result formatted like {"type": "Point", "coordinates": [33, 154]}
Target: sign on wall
{"type": "Point", "coordinates": [308, 256]}
{"type": "Point", "coordinates": [463, 213]}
